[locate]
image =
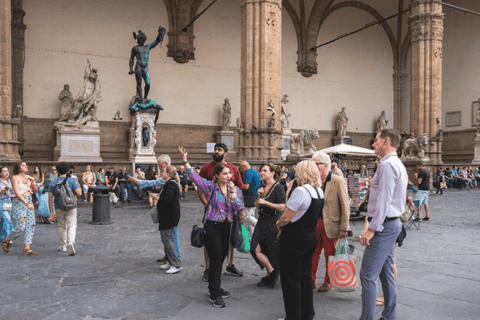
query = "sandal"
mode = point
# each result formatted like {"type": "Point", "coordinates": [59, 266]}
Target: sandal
{"type": "Point", "coordinates": [380, 301]}
{"type": "Point", "coordinates": [29, 252]}
{"type": "Point", "coordinates": [6, 245]}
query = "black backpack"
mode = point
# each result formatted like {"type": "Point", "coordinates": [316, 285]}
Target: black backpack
{"type": "Point", "coordinates": [64, 197]}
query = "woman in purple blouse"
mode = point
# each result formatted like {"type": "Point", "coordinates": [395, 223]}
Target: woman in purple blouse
{"type": "Point", "coordinates": [224, 200]}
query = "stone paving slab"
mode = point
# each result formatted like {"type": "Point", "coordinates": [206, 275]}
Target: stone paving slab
{"type": "Point", "coordinates": [114, 274]}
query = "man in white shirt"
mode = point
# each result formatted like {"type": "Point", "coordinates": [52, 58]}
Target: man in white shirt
{"type": "Point", "coordinates": [386, 204]}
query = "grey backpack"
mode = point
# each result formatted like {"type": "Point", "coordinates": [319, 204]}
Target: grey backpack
{"type": "Point", "coordinates": [64, 197]}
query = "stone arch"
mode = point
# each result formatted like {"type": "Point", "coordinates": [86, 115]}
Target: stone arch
{"type": "Point", "coordinates": [407, 41]}
{"type": "Point", "coordinates": [312, 38]}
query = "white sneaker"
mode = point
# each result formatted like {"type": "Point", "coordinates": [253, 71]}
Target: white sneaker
{"type": "Point", "coordinates": [174, 269]}
{"type": "Point", "coordinates": [71, 249]}
{"type": "Point", "coordinates": [62, 248]}
{"type": "Point", "coordinates": [165, 266]}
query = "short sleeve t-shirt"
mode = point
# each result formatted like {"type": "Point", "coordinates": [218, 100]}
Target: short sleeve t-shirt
{"type": "Point", "coordinates": [111, 177]}
{"type": "Point", "coordinates": [301, 199]}
{"type": "Point", "coordinates": [425, 176]}
{"type": "Point", "coordinates": [252, 177]}
{"type": "Point", "coordinates": [183, 177]}
{"type": "Point", "coordinates": [122, 176]}
{"type": "Point", "coordinates": [71, 183]}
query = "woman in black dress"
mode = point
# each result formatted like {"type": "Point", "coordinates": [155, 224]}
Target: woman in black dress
{"type": "Point", "coordinates": [264, 245]}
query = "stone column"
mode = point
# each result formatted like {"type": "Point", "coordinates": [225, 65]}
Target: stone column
{"type": "Point", "coordinates": [426, 27]}
{"type": "Point", "coordinates": [261, 80]}
{"type": "Point", "coordinates": [18, 60]}
{"type": "Point", "coordinates": [400, 101]}
{"type": "Point", "coordinates": [8, 127]}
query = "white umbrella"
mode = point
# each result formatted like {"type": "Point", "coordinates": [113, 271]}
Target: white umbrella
{"type": "Point", "coordinates": [349, 150]}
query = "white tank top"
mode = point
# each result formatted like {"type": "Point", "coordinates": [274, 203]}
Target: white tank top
{"type": "Point", "coordinates": [24, 187]}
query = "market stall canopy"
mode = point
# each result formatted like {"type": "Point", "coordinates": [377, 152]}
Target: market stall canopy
{"type": "Point", "coordinates": [349, 150]}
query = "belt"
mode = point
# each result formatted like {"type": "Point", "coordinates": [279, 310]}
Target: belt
{"type": "Point", "coordinates": [210, 222]}
{"type": "Point", "coordinates": [386, 219]}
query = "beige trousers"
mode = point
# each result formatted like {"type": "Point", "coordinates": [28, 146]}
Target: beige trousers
{"type": "Point", "coordinates": [67, 225]}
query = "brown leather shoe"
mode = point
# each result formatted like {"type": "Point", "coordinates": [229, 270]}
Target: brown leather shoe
{"type": "Point", "coordinates": [324, 287]}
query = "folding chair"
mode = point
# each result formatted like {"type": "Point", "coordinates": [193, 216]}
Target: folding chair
{"type": "Point", "coordinates": [410, 216]}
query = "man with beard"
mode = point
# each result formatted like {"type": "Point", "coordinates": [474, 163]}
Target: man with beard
{"type": "Point", "coordinates": [219, 157]}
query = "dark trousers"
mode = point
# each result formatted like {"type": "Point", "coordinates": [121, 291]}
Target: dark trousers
{"type": "Point", "coordinates": [439, 190]}
{"type": "Point", "coordinates": [296, 284]}
{"type": "Point", "coordinates": [216, 243]}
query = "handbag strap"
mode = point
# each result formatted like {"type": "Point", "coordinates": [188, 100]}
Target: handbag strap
{"type": "Point", "coordinates": [206, 207]}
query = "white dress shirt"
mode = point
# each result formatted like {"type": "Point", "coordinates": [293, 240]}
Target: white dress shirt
{"type": "Point", "coordinates": [388, 192]}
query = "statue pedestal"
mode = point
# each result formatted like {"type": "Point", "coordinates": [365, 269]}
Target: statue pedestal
{"type": "Point", "coordinates": [226, 137]}
{"type": "Point", "coordinates": [476, 144]}
{"type": "Point", "coordinates": [286, 137]}
{"type": "Point", "coordinates": [78, 144]}
{"type": "Point", "coordinates": [142, 138]}
{"type": "Point", "coordinates": [343, 139]}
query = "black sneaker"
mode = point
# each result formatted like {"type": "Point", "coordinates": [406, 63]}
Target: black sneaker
{"type": "Point", "coordinates": [225, 294]}
{"type": "Point", "coordinates": [217, 302]}
{"type": "Point", "coordinates": [426, 219]}
{"type": "Point", "coordinates": [234, 271]}
{"type": "Point", "coordinates": [264, 282]}
{"type": "Point", "coordinates": [206, 275]}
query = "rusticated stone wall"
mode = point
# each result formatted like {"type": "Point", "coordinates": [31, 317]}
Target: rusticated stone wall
{"type": "Point", "coordinates": [40, 140]}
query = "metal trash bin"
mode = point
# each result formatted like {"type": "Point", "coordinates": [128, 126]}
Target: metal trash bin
{"type": "Point", "coordinates": [101, 205]}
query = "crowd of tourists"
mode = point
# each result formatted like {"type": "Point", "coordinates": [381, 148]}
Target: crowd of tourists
{"type": "Point", "coordinates": [291, 216]}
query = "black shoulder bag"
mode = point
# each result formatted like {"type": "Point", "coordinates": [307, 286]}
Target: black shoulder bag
{"type": "Point", "coordinates": [198, 232]}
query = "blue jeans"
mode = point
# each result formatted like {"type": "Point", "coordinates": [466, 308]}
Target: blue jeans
{"type": "Point", "coordinates": [177, 242]}
{"type": "Point", "coordinates": [6, 225]}
{"type": "Point", "coordinates": [378, 261]}
{"type": "Point", "coordinates": [128, 187]}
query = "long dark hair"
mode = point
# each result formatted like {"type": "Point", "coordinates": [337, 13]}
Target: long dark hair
{"type": "Point", "coordinates": [16, 167]}
{"type": "Point", "coordinates": [39, 171]}
{"type": "Point", "coordinates": [150, 174]}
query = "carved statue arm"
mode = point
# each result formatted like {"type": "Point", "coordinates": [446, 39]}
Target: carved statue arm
{"type": "Point", "coordinates": [161, 33]}
{"type": "Point", "coordinates": [88, 69]}
{"type": "Point", "coordinates": [130, 62]}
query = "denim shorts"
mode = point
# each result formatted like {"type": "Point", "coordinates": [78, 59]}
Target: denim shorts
{"type": "Point", "coordinates": [422, 196]}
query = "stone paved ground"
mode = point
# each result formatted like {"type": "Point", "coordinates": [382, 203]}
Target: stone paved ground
{"type": "Point", "coordinates": [114, 274]}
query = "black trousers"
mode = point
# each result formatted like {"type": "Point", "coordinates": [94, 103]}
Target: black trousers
{"type": "Point", "coordinates": [296, 284]}
{"type": "Point", "coordinates": [217, 245]}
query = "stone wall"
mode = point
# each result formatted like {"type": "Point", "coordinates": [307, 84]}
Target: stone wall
{"type": "Point", "coordinates": [458, 147]}
{"type": "Point", "coordinates": [40, 141]}
{"type": "Point", "coordinates": [355, 73]}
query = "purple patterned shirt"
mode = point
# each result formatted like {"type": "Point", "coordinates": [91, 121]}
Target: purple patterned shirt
{"type": "Point", "coordinates": [219, 208]}
{"type": "Point", "coordinates": [8, 185]}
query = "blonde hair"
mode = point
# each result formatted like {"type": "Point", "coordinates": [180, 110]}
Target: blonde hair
{"type": "Point", "coordinates": [171, 170]}
{"type": "Point", "coordinates": [307, 171]}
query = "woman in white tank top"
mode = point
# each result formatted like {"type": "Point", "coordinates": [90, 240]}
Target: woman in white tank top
{"type": "Point", "coordinates": [23, 216]}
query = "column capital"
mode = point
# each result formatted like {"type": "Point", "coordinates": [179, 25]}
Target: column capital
{"type": "Point", "coordinates": [272, 2]}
